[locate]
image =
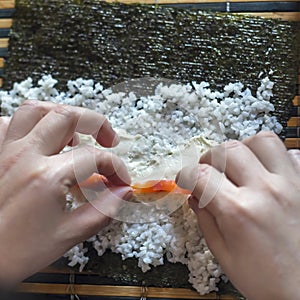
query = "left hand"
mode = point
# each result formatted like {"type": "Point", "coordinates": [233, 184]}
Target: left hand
{"type": "Point", "coordinates": [35, 228]}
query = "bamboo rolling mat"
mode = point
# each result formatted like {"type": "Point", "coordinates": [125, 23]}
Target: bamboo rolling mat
{"type": "Point", "coordinates": [287, 10]}
{"type": "Point", "coordinates": [106, 291]}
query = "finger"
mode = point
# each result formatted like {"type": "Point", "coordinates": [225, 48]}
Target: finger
{"type": "Point", "coordinates": [213, 190]}
{"type": "Point", "coordinates": [4, 123]}
{"type": "Point", "coordinates": [75, 140]}
{"type": "Point", "coordinates": [78, 164]}
{"type": "Point", "coordinates": [57, 128]}
{"type": "Point", "coordinates": [90, 218]}
{"type": "Point", "coordinates": [210, 230]}
{"type": "Point", "coordinates": [238, 163]}
{"type": "Point", "coordinates": [271, 152]}
{"type": "Point", "coordinates": [294, 155]}
{"type": "Point", "coordinates": [26, 117]}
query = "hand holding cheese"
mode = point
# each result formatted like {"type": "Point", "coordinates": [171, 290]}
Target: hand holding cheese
{"type": "Point", "coordinates": [252, 221]}
{"type": "Point", "coordinates": [35, 227]}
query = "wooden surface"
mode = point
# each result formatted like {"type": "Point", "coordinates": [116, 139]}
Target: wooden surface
{"type": "Point", "coordinates": [288, 16]}
{"type": "Point", "coordinates": [117, 291]}
{"type": "Point", "coordinates": [293, 141]}
{"type": "Point", "coordinates": [296, 100]}
{"type": "Point", "coordinates": [7, 4]}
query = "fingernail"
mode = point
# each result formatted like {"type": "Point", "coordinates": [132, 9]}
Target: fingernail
{"type": "Point", "coordinates": [116, 140]}
{"type": "Point", "coordinates": [187, 178]}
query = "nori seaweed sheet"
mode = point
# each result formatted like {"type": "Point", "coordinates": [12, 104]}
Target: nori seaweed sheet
{"type": "Point", "coordinates": [114, 42]}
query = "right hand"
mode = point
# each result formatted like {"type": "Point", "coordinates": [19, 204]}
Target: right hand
{"type": "Point", "coordinates": [252, 222]}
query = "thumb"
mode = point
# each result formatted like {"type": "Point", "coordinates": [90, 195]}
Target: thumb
{"type": "Point", "coordinates": [90, 218]}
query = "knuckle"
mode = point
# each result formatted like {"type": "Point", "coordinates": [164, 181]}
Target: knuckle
{"type": "Point", "coordinates": [105, 161]}
{"type": "Point", "coordinates": [32, 103]}
{"type": "Point", "coordinates": [264, 135]}
{"type": "Point", "coordinates": [42, 177]}
{"type": "Point", "coordinates": [35, 105]}
{"type": "Point", "coordinates": [198, 181]}
{"type": "Point", "coordinates": [65, 110]}
{"type": "Point", "coordinates": [275, 185]}
{"type": "Point", "coordinates": [232, 145]}
{"type": "Point", "coordinates": [204, 170]}
{"type": "Point", "coordinates": [103, 158]}
{"type": "Point", "coordinates": [37, 177]}
{"type": "Point", "coordinates": [238, 213]}
{"type": "Point", "coordinates": [108, 159]}
{"type": "Point", "coordinates": [61, 110]}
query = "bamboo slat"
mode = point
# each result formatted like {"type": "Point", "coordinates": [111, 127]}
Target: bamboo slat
{"type": "Point", "coordinates": [261, 1]}
{"type": "Point", "coordinates": [5, 23]}
{"type": "Point", "coordinates": [292, 143]}
{"type": "Point", "coordinates": [116, 291]}
{"type": "Point", "coordinates": [7, 4]}
{"type": "Point", "coordinates": [287, 16]}
{"type": "Point", "coordinates": [4, 43]}
{"type": "Point", "coordinates": [196, 1]}
{"type": "Point", "coordinates": [294, 122]}
{"type": "Point", "coordinates": [296, 101]}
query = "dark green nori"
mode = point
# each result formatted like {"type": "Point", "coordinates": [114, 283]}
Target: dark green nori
{"type": "Point", "coordinates": [113, 42]}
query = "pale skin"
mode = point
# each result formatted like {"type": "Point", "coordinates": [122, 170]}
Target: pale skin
{"type": "Point", "coordinates": [35, 228]}
{"type": "Point", "coordinates": [251, 224]}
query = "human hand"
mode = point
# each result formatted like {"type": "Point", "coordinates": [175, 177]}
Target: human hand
{"type": "Point", "coordinates": [35, 228]}
{"type": "Point", "coordinates": [252, 222]}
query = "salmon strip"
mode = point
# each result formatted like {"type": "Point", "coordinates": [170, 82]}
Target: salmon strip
{"type": "Point", "coordinates": [155, 186]}
{"type": "Point", "coordinates": [98, 181]}
{"type": "Point", "coordinates": [95, 182]}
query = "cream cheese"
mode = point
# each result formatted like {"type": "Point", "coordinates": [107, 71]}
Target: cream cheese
{"type": "Point", "coordinates": [163, 165]}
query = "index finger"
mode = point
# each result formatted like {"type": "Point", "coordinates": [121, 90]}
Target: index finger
{"type": "Point", "coordinates": [79, 164]}
{"type": "Point", "coordinates": [271, 152]}
{"type": "Point", "coordinates": [58, 126]}
{"type": "Point", "coordinates": [211, 187]}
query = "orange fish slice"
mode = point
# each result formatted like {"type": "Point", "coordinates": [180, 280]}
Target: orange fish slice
{"type": "Point", "coordinates": [155, 186]}
{"type": "Point", "coordinates": [98, 181]}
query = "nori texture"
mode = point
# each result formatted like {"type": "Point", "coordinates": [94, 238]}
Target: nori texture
{"type": "Point", "coordinates": [114, 42]}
